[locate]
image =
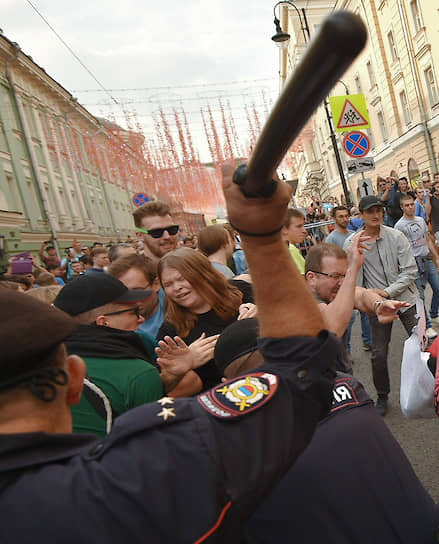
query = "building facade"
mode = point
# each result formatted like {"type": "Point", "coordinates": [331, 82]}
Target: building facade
{"type": "Point", "coordinates": [66, 174]}
{"type": "Point", "coordinates": [58, 177]}
{"type": "Point", "coordinates": [397, 73]}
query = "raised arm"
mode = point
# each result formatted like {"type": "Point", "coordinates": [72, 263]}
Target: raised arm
{"type": "Point", "coordinates": [41, 251]}
{"type": "Point", "coordinates": [385, 194]}
{"type": "Point", "coordinates": [338, 313]}
{"type": "Point", "coordinates": [277, 284]}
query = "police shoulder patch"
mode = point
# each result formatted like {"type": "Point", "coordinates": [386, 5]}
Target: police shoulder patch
{"type": "Point", "coordinates": [239, 396]}
{"type": "Point", "coordinates": [343, 394]}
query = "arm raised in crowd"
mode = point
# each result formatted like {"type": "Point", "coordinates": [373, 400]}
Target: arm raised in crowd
{"type": "Point", "coordinates": [280, 291]}
{"type": "Point", "coordinates": [338, 313]}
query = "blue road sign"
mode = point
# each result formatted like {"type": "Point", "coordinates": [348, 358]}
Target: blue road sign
{"type": "Point", "coordinates": [139, 199]}
{"type": "Point", "coordinates": [356, 144]}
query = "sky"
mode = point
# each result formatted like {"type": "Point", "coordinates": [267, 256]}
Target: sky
{"type": "Point", "coordinates": [183, 54]}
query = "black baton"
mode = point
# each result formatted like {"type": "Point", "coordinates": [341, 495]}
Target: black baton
{"type": "Point", "coordinates": [341, 37]}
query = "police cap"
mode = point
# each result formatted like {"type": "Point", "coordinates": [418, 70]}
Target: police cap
{"type": "Point", "coordinates": [30, 330]}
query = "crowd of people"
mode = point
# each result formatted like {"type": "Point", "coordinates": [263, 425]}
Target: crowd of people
{"type": "Point", "coordinates": [194, 369]}
{"type": "Point", "coordinates": [395, 266]}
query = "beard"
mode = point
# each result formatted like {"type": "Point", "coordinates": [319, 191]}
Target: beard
{"type": "Point", "coordinates": [326, 296]}
{"type": "Point", "coordinates": [157, 250]}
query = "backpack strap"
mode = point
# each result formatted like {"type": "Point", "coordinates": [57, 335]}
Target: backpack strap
{"type": "Point", "coordinates": [100, 402]}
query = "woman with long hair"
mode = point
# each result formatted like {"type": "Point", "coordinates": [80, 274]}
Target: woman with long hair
{"type": "Point", "coordinates": [199, 300]}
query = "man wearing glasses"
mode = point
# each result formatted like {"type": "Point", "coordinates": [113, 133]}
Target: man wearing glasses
{"type": "Point", "coordinates": [156, 229]}
{"type": "Point", "coordinates": [118, 361]}
{"type": "Point", "coordinates": [331, 275]}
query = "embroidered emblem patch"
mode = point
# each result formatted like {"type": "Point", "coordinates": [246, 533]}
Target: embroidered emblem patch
{"type": "Point", "coordinates": [240, 395]}
{"type": "Point", "coordinates": [343, 395]}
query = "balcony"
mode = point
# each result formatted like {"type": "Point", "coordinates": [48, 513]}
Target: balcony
{"type": "Point", "coordinates": [420, 43]}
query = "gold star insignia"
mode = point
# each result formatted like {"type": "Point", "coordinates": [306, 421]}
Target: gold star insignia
{"type": "Point", "coordinates": [166, 400]}
{"type": "Point", "coordinates": [166, 413]}
{"type": "Point", "coordinates": [224, 390]}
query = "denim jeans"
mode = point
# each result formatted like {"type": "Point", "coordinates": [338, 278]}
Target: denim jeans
{"type": "Point", "coordinates": [365, 329]}
{"type": "Point", "coordinates": [431, 276]}
{"type": "Point", "coordinates": [380, 346]}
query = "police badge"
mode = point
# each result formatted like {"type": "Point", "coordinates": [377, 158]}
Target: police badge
{"type": "Point", "coordinates": [240, 395]}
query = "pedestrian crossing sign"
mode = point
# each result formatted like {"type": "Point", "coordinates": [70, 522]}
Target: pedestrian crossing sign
{"type": "Point", "coordinates": [349, 112]}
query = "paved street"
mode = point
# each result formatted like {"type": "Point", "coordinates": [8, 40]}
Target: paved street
{"type": "Point", "coordinates": [418, 437]}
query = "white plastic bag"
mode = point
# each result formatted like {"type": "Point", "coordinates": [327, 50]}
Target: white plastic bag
{"type": "Point", "coordinates": [417, 382]}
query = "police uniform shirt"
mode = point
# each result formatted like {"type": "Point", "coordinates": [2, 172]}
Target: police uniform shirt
{"type": "Point", "coordinates": [353, 484]}
{"type": "Point", "coordinates": [173, 471]}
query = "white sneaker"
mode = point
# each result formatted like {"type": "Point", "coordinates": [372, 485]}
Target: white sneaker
{"type": "Point", "coordinates": [431, 333]}
{"type": "Point", "coordinates": [435, 320]}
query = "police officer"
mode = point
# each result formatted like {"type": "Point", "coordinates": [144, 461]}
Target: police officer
{"type": "Point", "coordinates": [352, 484]}
{"type": "Point", "coordinates": [186, 470]}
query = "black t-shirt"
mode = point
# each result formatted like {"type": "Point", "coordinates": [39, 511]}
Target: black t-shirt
{"type": "Point", "coordinates": [394, 206]}
{"type": "Point", "coordinates": [209, 323]}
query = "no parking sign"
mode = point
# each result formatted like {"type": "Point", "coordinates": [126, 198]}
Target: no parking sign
{"type": "Point", "coordinates": [356, 144]}
{"type": "Point", "coordinates": [139, 199]}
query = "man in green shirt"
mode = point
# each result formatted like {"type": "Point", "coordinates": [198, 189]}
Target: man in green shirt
{"type": "Point", "coordinates": [120, 366]}
{"type": "Point", "coordinates": [294, 232]}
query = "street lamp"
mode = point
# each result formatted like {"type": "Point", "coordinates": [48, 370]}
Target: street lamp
{"type": "Point", "coordinates": [281, 38]}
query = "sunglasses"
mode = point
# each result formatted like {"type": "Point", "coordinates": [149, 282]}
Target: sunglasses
{"type": "Point", "coordinates": [135, 310]}
{"type": "Point", "coordinates": [158, 233]}
{"type": "Point", "coordinates": [332, 275]}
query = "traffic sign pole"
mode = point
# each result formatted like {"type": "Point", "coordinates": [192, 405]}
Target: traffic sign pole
{"type": "Point", "coordinates": [365, 186]}
{"type": "Point", "coordinates": [337, 156]}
